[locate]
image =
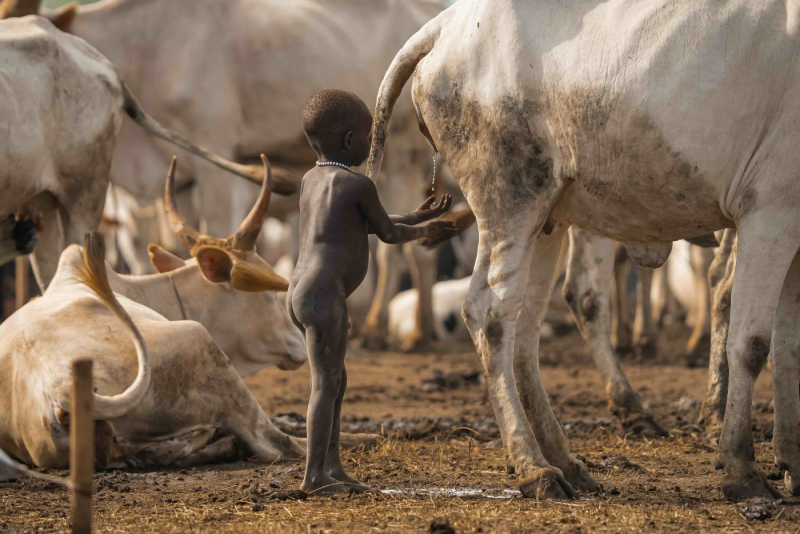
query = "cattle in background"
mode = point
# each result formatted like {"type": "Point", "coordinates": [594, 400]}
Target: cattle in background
{"type": "Point", "coordinates": [242, 97]}
{"type": "Point", "coordinates": [61, 108]}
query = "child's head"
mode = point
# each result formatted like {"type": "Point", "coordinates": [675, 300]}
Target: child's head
{"type": "Point", "coordinates": [338, 125]}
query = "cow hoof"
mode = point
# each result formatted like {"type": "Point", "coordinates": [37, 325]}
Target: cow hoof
{"type": "Point", "coordinates": [415, 342]}
{"type": "Point", "coordinates": [746, 483]}
{"type": "Point", "coordinates": [644, 424]}
{"type": "Point", "coordinates": [579, 478]}
{"type": "Point", "coordinates": [792, 483]}
{"type": "Point", "coordinates": [543, 483]}
{"type": "Point", "coordinates": [646, 349]}
{"type": "Point", "coordinates": [25, 236]}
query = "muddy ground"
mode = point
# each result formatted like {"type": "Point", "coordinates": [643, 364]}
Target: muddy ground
{"type": "Point", "coordinates": [439, 459]}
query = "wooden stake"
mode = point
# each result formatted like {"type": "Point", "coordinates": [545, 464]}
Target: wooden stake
{"type": "Point", "coordinates": [22, 293]}
{"type": "Point", "coordinates": [81, 446]}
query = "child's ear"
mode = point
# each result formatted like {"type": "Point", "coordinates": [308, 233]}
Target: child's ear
{"type": "Point", "coordinates": [162, 260]}
{"type": "Point", "coordinates": [214, 263]}
{"type": "Point", "coordinates": [348, 140]}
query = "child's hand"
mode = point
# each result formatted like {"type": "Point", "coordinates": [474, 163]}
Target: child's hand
{"type": "Point", "coordinates": [440, 231]}
{"type": "Point", "coordinates": [429, 210]}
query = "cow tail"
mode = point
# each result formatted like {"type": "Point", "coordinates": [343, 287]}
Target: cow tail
{"type": "Point", "coordinates": [283, 182]}
{"type": "Point", "coordinates": [401, 69]}
{"type": "Point", "coordinates": [93, 274]}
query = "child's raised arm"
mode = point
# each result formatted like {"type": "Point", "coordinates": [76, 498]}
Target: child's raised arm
{"type": "Point", "coordinates": [397, 229]}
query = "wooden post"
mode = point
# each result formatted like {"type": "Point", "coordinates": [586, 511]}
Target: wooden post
{"type": "Point", "coordinates": [81, 446]}
{"type": "Point", "coordinates": [22, 293]}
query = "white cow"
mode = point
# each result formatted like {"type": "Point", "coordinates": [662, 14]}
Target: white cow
{"type": "Point", "coordinates": [61, 108]}
{"type": "Point", "coordinates": [242, 96]}
{"type": "Point", "coordinates": [640, 121]}
{"type": "Point", "coordinates": [172, 396]}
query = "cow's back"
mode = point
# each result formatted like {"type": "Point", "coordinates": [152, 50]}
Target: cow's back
{"type": "Point", "coordinates": [237, 73]}
{"type": "Point", "coordinates": [664, 112]}
{"type": "Point", "coordinates": [60, 111]}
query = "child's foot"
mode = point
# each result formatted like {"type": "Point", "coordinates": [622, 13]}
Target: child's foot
{"type": "Point", "coordinates": [323, 485]}
{"type": "Point", "coordinates": [351, 483]}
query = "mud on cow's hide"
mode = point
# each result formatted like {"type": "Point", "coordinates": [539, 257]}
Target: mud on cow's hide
{"type": "Point", "coordinates": [503, 131]}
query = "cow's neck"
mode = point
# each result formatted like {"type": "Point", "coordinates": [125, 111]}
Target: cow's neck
{"type": "Point", "coordinates": [159, 292]}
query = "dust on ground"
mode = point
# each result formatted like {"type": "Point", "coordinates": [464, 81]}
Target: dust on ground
{"type": "Point", "coordinates": [440, 461]}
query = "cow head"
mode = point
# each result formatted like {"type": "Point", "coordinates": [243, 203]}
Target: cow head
{"type": "Point", "coordinates": [235, 296]}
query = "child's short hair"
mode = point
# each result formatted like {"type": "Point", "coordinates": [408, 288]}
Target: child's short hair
{"type": "Point", "coordinates": [329, 114]}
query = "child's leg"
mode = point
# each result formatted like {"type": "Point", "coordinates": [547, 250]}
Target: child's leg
{"type": "Point", "coordinates": [333, 463]}
{"type": "Point", "coordinates": [326, 341]}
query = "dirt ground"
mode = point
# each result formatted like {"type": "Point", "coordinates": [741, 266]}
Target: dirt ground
{"type": "Point", "coordinates": [439, 459]}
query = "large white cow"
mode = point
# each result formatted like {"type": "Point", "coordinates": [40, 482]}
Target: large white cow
{"type": "Point", "coordinates": [242, 96]}
{"type": "Point", "coordinates": [174, 396]}
{"type": "Point", "coordinates": [642, 121]}
{"type": "Point", "coordinates": [61, 108]}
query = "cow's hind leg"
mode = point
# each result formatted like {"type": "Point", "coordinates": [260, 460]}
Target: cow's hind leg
{"type": "Point", "coordinates": [586, 289]}
{"type": "Point", "coordinates": [490, 311]}
{"type": "Point", "coordinates": [785, 362]}
{"type": "Point", "coordinates": [767, 245]}
{"type": "Point", "coordinates": [720, 281]}
{"type": "Point", "coordinates": [549, 435]}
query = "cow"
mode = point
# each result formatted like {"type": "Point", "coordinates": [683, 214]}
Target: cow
{"type": "Point", "coordinates": [257, 80]}
{"type": "Point", "coordinates": [61, 107]}
{"type": "Point", "coordinates": [641, 122]}
{"type": "Point", "coordinates": [167, 393]}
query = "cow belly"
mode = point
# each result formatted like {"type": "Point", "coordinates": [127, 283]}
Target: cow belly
{"type": "Point", "coordinates": [628, 181]}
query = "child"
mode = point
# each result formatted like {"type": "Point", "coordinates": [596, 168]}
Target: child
{"type": "Point", "coordinates": [338, 208]}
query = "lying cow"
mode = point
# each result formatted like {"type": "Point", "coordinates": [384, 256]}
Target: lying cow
{"type": "Point", "coordinates": [166, 393]}
{"type": "Point", "coordinates": [61, 107]}
{"type": "Point", "coordinates": [602, 120]}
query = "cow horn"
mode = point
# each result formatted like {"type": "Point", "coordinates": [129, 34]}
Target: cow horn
{"type": "Point", "coordinates": [245, 237]}
{"type": "Point", "coordinates": [19, 8]}
{"type": "Point", "coordinates": [177, 223]}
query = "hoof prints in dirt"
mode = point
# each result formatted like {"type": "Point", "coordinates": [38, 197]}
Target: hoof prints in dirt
{"type": "Point", "coordinates": [413, 428]}
{"type": "Point", "coordinates": [441, 381]}
{"type": "Point", "coordinates": [761, 509]}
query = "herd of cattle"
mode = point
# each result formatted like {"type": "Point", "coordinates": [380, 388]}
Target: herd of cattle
{"type": "Point", "coordinates": [566, 127]}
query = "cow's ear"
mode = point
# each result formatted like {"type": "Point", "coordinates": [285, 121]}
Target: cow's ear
{"type": "Point", "coordinates": [63, 17]}
{"type": "Point", "coordinates": [214, 263]}
{"type": "Point", "coordinates": [162, 260]}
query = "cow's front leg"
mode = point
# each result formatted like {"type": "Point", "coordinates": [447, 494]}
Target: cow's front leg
{"type": "Point", "coordinates": [621, 318]}
{"type": "Point", "coordinates": [549, 435]}
{"type": "Point", "coordinates": [376, 326]}
{"type": "Point", "coordinates": [701, 263]}
{"type": "Point", "coordinates": [785, 362]}
{"type": "Point", "coordinates": [767, 245]}
{"type": "Point", "coordinates": [490, 311]}
{"type": "Point", "coordinates": [422, 264]}
{"type": "Point", "coordinates": [51, 241]}
{"type": "Point", "coordinates": [586, 289]}
{"type": "Point", "coordinates": [644, 331]}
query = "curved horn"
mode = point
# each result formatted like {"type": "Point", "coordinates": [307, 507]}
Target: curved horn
{"type": "Point", "coordinates": [177, 223]}
{"type": "Point", "coordinates": [19, 8]}
{"type": "Point", "coordinates": [245, 237]}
